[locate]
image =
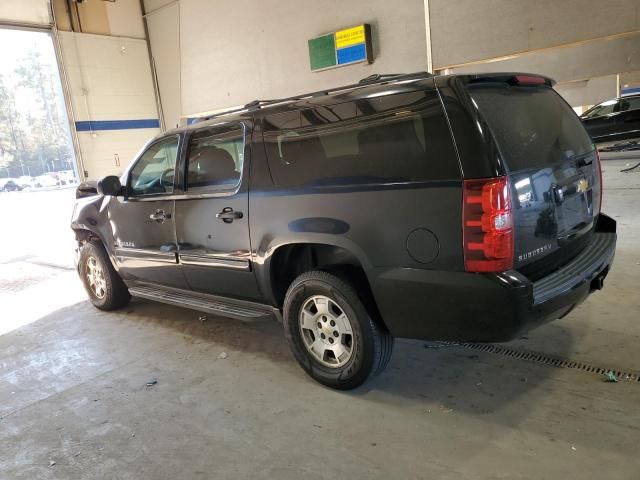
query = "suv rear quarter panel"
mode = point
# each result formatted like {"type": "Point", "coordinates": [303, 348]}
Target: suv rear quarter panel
{"type": "Point", "coordinates": [378, 224]}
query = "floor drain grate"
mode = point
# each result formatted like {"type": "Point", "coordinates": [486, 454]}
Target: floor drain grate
{"type": "Point", "coordinates": [544, 359]}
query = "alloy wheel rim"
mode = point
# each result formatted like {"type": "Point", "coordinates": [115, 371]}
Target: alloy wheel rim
{"type": "Point", "coordinates": [95, 278]}
{"type": "Point", "coordinates": [326, 331]}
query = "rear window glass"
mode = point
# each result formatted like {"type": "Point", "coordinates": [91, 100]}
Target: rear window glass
{"type": "Point", "coordinates": [388, 139]}
{"type": "Point", "coordinates": [533, 126]}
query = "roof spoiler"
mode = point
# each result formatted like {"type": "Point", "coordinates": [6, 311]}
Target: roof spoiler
{"type": "Point", "coordinates": [513, 78]}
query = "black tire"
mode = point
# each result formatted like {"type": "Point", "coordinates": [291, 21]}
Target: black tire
{"type": "Point", "coordinates": [371, 343]}
{"type": "Point", "coordinates": [116, 294]}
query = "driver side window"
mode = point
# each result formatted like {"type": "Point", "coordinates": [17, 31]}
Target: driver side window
{"type": "Point", "coordinates": [154, 172]}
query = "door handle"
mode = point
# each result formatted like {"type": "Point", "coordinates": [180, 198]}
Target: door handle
{"type": "Point", "coordinates": [159, 216]}
{"type": "Point", "coordinates": [228, 215]}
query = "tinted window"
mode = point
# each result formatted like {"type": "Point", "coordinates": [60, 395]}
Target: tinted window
{"type": "Point", "coordinates": [154, 172]}
{"type": "Point", "coordinates": [216, 157]}
{"type": "Point", "coordinates": [604, 108]}
{"type": "Point", "coordinates": [387, 139]}
{"type": "Point", "coordinates": [533, 126]}
{"type": "Point", "coordinates": [632, 103]}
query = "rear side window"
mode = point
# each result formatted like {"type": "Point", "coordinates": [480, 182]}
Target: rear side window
{"type": "Point", "coordinates": [215, 160]}
{"type": "Point", "coordinates": [532, 126]}
{"type": "Point", "coordinates": [632, 103]}
{"type": "Point", "coordinates": [388, 139]}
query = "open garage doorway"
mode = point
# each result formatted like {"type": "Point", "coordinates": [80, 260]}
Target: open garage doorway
{"type": "Point", "coordinates": [36, 149]}
{"type": "Point", "coordinates": [38, 174]}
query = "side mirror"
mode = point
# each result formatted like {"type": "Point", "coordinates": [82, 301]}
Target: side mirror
{"type": "Point", "coordinates": [110, 185]}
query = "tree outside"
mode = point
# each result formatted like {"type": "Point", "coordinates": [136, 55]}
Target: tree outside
{"type": "Point", "coordinates": [34, 131]}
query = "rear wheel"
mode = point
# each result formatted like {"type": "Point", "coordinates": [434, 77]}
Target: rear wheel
{"type": "Point", "coordinates": [106, 289]}
{"type": "Point", "coordinates": [331, 333]}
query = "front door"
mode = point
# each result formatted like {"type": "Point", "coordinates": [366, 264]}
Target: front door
{"type": "Point", "coordinates": [212, 224]}
{"type": "Point", "coordinates": [143, 221]}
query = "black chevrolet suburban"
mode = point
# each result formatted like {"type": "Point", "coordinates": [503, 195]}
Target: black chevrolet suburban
{"type": "Point", "coordinates": [455, 207]}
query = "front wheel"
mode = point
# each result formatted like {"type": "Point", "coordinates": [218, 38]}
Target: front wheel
{"type": "Point", "coordinates": [106, 289]}
{"type": "Point", "coordinates": [331, 332]}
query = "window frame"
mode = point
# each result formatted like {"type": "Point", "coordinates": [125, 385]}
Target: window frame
{"type": "Point", "coordinates": [160, 195]}
{"type": "Point", "coordinates": [209, 191]}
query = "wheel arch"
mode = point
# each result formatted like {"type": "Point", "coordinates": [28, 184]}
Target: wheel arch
{"type": "Point", "coordinates": [289, 260]}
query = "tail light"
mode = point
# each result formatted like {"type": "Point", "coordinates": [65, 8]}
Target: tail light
{"type": "Point", "coordinates": [600, 178]}
{"type": "Point", "coordinates": [487, 225]}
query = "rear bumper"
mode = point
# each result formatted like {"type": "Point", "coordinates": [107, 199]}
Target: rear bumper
{"type": "Point", "coordinates": [459, 306]}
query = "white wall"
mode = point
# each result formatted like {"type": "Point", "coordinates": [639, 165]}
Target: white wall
{"type": "Point", "coordinates": [164, 31]}
{"type": "Point", "coordinates": [235, 52]}
{"type": "Point", "coordinates": [125, 18]}
{"type": "Point", "coordinates": [32, 11]}
{"type": "Point", "coordinates": [579, 62]}
{"type": "Point", "coordinates": [109, 79]}
{"type": "Point", "coordinates": [589, 92]}
{"type": "Point", "coordinates": [470, 30]}
{"type": "Point", "coordinates": [569, 40]}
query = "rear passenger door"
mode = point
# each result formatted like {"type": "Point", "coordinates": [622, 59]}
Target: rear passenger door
{"type": "Point", "coordinates": [212, 225]}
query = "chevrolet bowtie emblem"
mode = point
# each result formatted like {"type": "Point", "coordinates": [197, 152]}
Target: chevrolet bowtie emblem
{"type": "Point", "coordinates": [583, 185]}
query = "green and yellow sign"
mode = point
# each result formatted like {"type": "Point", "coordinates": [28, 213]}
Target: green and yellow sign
{"type": "Point", "coordinates": [344, 47]}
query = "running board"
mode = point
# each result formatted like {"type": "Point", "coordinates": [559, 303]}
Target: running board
{"type": "Point", "coordinates": [224, 307]}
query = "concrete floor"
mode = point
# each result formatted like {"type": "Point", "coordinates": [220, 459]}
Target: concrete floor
{"type": "Point", "coordinates": [73, 384]}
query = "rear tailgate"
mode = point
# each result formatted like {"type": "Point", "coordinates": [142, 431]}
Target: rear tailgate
{"type": "Point", "coordinates": [552, 168]}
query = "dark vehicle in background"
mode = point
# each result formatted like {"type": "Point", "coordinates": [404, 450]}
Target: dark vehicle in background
{"type": "Point", "coordinates": [463, 207]}
{"type": "Point", "coordinates": [10, 186]}
{"type": "Point", "coordinates": [614, 120]}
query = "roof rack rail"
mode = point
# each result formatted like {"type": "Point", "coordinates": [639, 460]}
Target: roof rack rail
{"type": "Point", "coordinates": [370, 80]}
{"type": "Point", "coordinates": [378, 77]}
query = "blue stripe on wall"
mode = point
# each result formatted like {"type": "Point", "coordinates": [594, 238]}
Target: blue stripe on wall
{"type": "Point", "coordinates": [627, 91]}
{"type": "Point", "coordinates": [91, 125]}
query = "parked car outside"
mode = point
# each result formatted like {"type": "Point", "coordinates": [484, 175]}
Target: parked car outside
{"type": "Point", "coordinates": [614, 120]}
{"type": "Point", "coordinates": [10, 185]}
{"type": "Point", "coordinates": [460, 207]}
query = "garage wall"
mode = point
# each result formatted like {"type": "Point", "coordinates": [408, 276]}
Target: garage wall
{"type": "Point", "coordinates": [112, 98]}
{"type": "Point", "coordinates": [164, 32]}
{"type": "Point", "coordinates": [630, 82]}
{"type": "Point", "coordinates": [30, 11]}
{"type": "Point", "coordinates": [589, 92]}
{"type": "Point", "coordinates": [120, 18]}
{"type": "Point", "coordinates": [575, 63]}
{"type": "Point", "coordinates": [470, 30]}
{"type": "Point", "coordinates": [572, 41]}
{"type": "Point", "coordinates": [234, 52]}
{"type": "Point", "coordinates": [572, 63]}
{"type": "Point", "coordinates": [104, 17]}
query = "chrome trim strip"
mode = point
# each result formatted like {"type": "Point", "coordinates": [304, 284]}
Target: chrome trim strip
{"type": "Point", "coordinates": [215, 261]}
{"type": "Point", "coordinates": [184, 196]}
{"type": "Point", "coordinates": [144, 254]}
{"type": "Point", "coordinates": [618, 133]}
